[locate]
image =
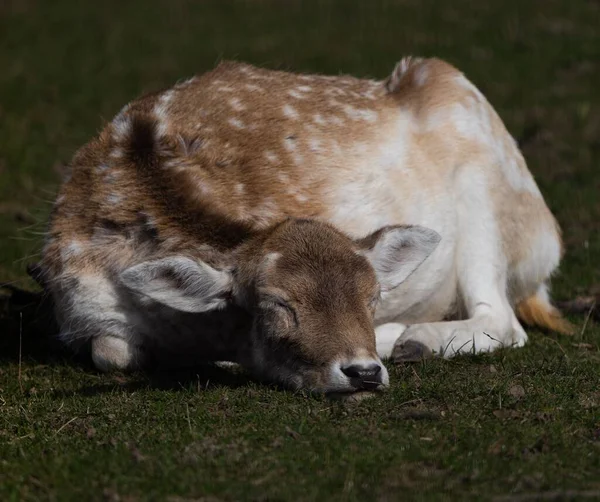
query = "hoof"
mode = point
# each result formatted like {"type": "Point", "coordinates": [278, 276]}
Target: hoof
{"type": "Point", "coordinates": [410, 352]}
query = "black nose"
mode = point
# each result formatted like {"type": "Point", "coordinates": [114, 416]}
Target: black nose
{"type": "Point", "coordinates": [363, 376]}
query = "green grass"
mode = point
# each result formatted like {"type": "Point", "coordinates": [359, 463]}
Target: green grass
{"type": "Point", "coordinates": [504, 426]}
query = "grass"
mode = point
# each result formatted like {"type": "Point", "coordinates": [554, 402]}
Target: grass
{"type": "Point", "coordinates": [516, 425]}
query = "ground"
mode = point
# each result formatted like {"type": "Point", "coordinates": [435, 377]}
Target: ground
{"type": "Point", "coordinates": [516, 425]}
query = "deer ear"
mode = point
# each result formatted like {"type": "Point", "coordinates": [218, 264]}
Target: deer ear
{"type": "Point", "coordinates": [180, 283]}
{"type": "Point", "coordinates": [396, 252]}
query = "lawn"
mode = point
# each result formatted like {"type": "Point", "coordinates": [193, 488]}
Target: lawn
{"type": "Point", "coordinates": [516, 425]}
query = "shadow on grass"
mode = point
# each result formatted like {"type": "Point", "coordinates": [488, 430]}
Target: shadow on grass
{"type": "Point", "coordinates": [200, 378]}
{"type": "Point", "coordinates": [28, 334]}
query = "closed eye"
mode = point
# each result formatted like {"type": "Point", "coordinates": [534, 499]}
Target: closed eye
{"type": "Point", "coordinates": [278, 304]}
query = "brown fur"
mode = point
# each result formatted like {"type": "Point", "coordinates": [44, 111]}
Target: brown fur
{"type": "Point", "coordinates": [225, 168]}
{"type": "Point", "coordinates": [535, 312]}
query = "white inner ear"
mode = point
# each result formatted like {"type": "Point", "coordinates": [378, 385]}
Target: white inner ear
{"type": "Point", "coordinates": [399, 252]}
{"type": "Point", "coordinates": [181, 283]}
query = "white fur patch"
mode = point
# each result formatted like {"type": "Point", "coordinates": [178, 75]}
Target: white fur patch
{"type": "Point", "coordinates": [114, 198]}
{"type": "Point", "coordinates": [72, 249]}
{"type": "Point", "coordinates": [295, 94]}
{"type": "Point", "coordinates": [290, 112]}
{"type": "Point", "coordinates": [121, 127]}
{"type": "Point", "coordinates": [237, 123]}
{"type": "Point", "coordinates": [421, 75]}
{"type": "Point", "coordinates": [265, 213]}
{"type": "Point", "coordinates": [315, 144]}
{"type": "Point", "coordinates": [318, 119]}
{"type": "Point", "coordinates": [161, 112]}
{"type": "Point", "coordinates": [334, 119]}
{"type": "Point", "coordinates": [271, 157]}
{"type": "Point", "coordinates": [290, 144]}
{"type": "Point", "coordinates": [360, 113]}
{"type": "Point", "coordinates": [236, 104]}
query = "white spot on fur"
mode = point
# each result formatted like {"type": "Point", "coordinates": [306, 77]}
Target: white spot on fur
{"type": "Point", "coordinates": [117, 153]}
{"type": "Point", "coordinates": [421, 75]}
{"type": "Point", "coordinates": [319, 119]}
{"type": "Point", "coordinates": [360, 113]}
{"type": "Point", "coordinates": [315, 144]}
{"type": "Point", "coordinates": [74, 248]}
{"type": "Point", "coordinates": [290, 144]}
{"type": "Point", "coordinates": [161, 112]}
{"type": "Point", "coordinates": [336, 92]}
{"type": "Point", "coordinates": [225, 88]}
{"type": "Point", "coordinates": [236, 104]}
{"type": "Point", "coordinates": [111, 177]}
{"type": "Point", "coordinates": [239, 188]}
{"type": "Point", "coordinates": [295, 94]}
{"type": "Point", "coordinates": [237, 123]}
{"type": "Point", "coordinates": [304, 88]}
{"type": "Point", "coordinates": [283, 178]}
{"type": "Point", "coordinates": [121, 127]}
{"type": "Point", "coordinates": [269, 261]}
{"type": "Point", "coordinates": [290, 112]}
{"type": "Point", "coordinates": [271, 157]}
{"type": "Point", "coordinates": [265, 213]}
{"type": "Point", "coordinates": [301, 198]}
{"type": "Point", "coordinates": [114, 198]}
{"type": "Point", "coordinates": [253, 87]}
{"type": "Point", "coordinates": [203, 187]}
{"type": "Point", "coordinates": [334, 119]}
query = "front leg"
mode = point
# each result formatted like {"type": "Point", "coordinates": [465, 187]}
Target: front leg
{"type": "Point", "coordinates": [447, 339]}
{"type": "Point", "coordinates": [386, 336]}
{"type": "Point", "coordinates": [444, 339]}
{"type": "Point", "coordinates": [481, 274]}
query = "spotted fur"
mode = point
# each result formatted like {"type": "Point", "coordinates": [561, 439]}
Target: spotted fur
{"type": "Point", "coordinates": [209, 169]}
